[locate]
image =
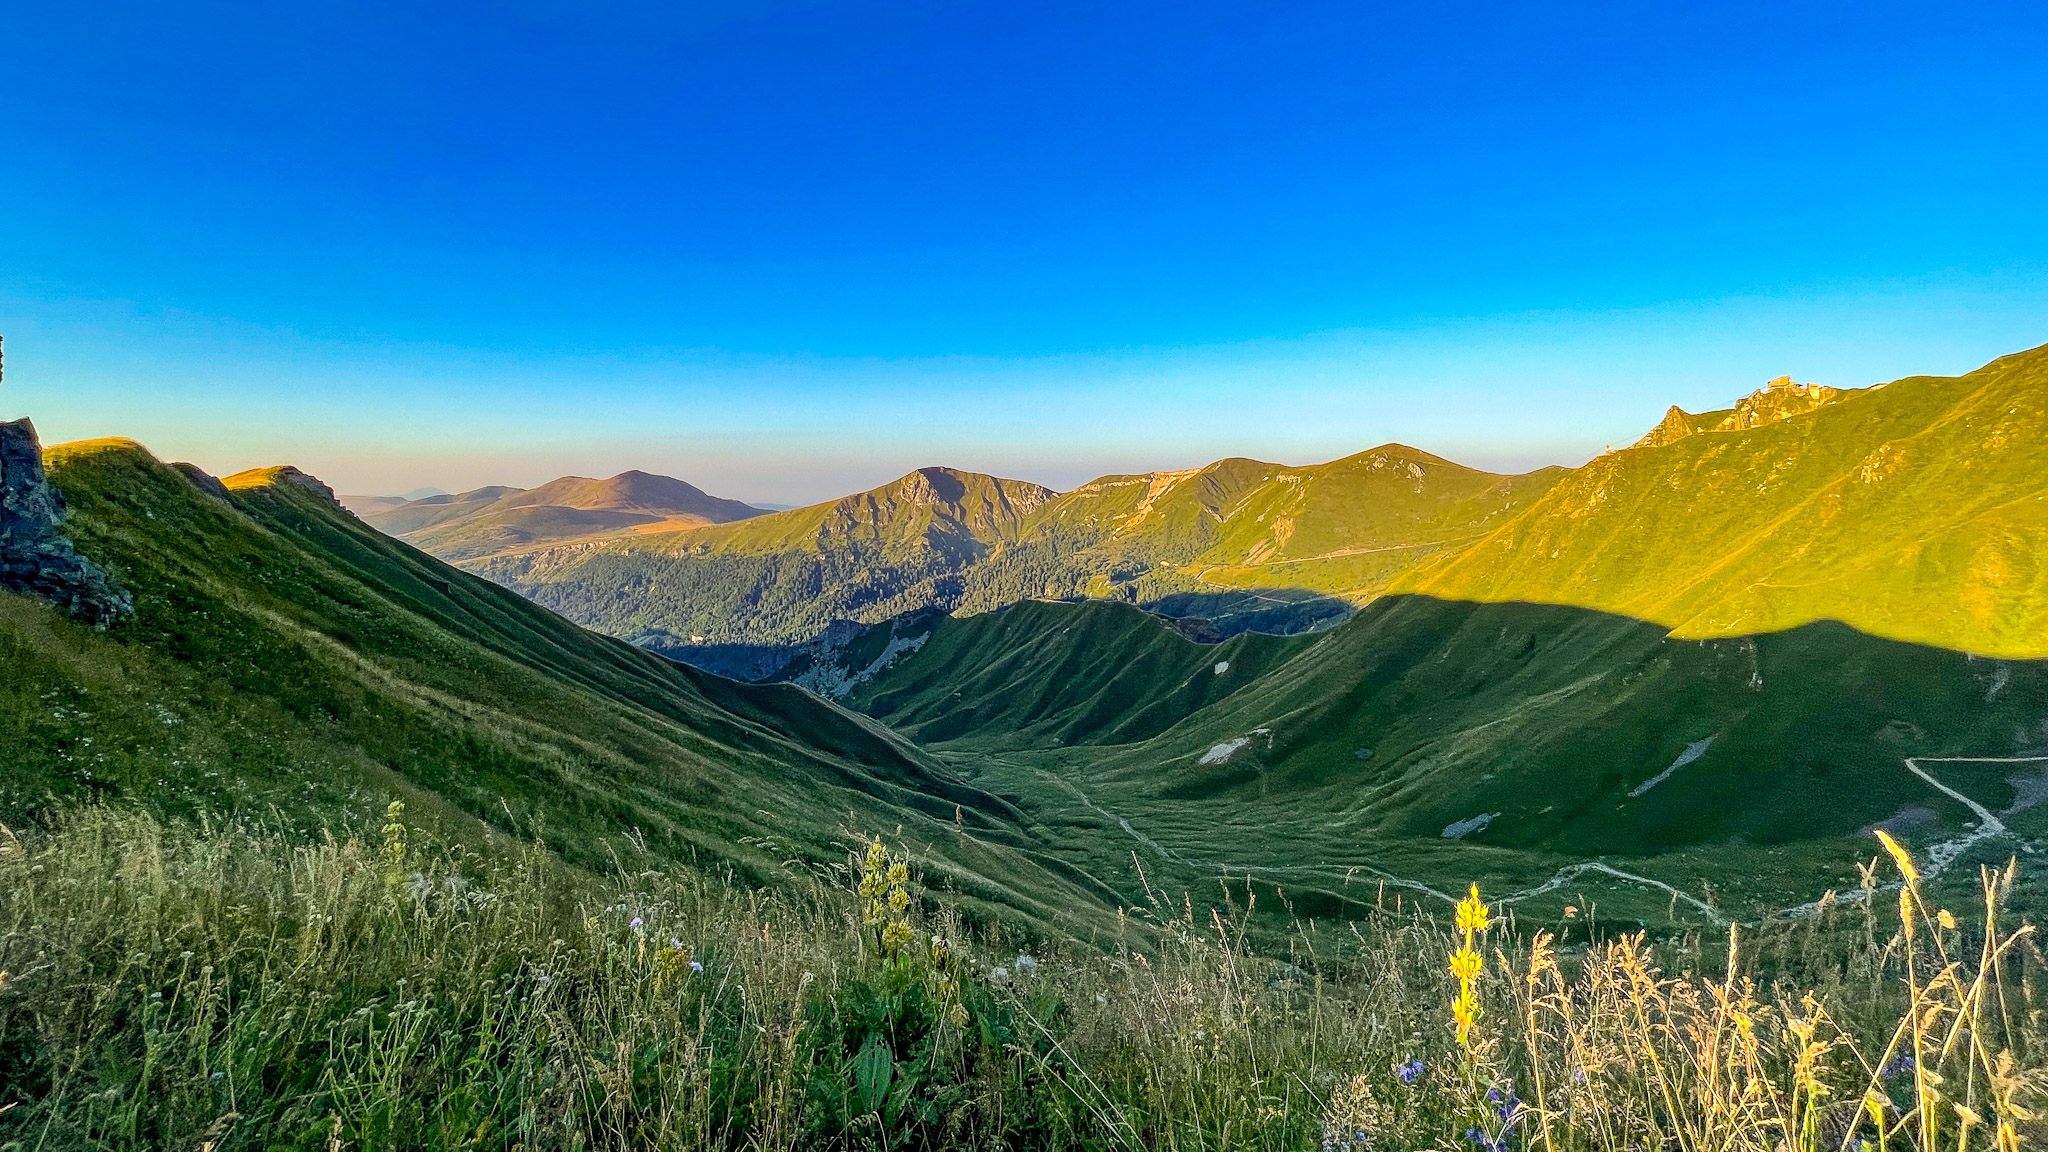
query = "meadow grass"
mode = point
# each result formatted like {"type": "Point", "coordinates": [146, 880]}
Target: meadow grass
{"type": "Point", "coordinates": [229, 985]}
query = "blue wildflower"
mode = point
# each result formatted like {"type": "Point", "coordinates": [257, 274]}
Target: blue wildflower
{"type": "Point", "coordinates": [1409, 1072]}
{"type": "Point", "coordinates": [696, 967]}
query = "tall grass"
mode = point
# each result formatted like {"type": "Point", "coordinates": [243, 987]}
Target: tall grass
{"type": "Point", "coordinates": [229, 987]}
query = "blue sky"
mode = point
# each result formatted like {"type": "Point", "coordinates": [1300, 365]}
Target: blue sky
{"type": "Point", "coordinates": [788, 250]}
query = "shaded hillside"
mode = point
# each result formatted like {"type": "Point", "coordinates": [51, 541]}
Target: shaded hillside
{"type": "Point", "coordinates": [782, 578]}
{"type": "Point", "coordinates": [488, 521]}
{"type": "Point", "coordinates": [1252, 544]}
{"type": "Point", "coordinates": [285, 655]}
{"type": "Point", "coordinates": [1039, 673]}
{"type": "Point", "coordinates": [1427, 740]}
{"type": "Point", "coordinates": [1916, 511]}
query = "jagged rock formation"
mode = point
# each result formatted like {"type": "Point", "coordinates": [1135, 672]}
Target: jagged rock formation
{"type": "Point", "coordinates": [1781, 399]}
{"type": "Point", "coordinates": [1676, 425]}
{"type": "Point", "coordinates": [36, 558]}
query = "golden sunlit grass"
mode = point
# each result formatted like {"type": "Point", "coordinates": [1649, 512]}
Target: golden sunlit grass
{"type": "Point", "coordinates": [226, 987]}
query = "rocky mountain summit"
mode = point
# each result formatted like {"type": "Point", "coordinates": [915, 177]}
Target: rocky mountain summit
{"type": "Point", "coordinates": [1780, 399]}
{"type": "Point", "coordinates": [36, 558]}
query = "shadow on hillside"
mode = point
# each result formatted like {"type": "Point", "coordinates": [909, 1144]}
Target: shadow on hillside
{"type": "Point", "coordinates": [744, 662]}
{"type": "Point", "coordinates": [1277, 611]}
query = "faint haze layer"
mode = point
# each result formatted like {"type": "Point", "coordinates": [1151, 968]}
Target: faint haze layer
{"type": "Point", "coordinates": [790, 250]}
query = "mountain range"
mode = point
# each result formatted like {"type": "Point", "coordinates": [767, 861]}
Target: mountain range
{"type": "Point", "coordinates": [1239, 545]}
{"type": "Point", "coordinates": [1697, 671]}
{"type": "Point", "coordinates": [1682, 681]}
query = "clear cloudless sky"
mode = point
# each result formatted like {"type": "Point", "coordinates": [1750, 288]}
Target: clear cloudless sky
{"type": "Point", "coordinates": [787, 250]}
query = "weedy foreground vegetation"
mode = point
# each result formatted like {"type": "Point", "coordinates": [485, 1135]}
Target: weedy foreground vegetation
{"type": "Point", "coordinates": [228, 986]}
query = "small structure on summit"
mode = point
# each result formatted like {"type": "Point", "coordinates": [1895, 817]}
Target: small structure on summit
{"type": "Point", "coordinates": [1778, 400]}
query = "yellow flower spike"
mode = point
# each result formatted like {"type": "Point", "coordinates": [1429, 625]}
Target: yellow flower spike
{"type": "Point", "coordinates": [1947, 918]}
{"type": "Point", "coordinates": [1899, 857]}
{"type": "Point", "coordinates": [1465, 964]}
{"type": "Point", "coordinates": [1472, 916]}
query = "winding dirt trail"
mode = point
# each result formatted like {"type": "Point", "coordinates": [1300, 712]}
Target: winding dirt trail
{"type": "Point", "coordinates": [1937, 857]}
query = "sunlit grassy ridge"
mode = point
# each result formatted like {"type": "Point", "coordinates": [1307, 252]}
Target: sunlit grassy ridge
{"type": "Point", "coordinates": [285, 655]}
{"type": "Point", "coordinates": [226, 987]}
{"type": "Point", "coordinates": [1194, 542]}
{"type": "Point", "coordinates": [1917, 511]}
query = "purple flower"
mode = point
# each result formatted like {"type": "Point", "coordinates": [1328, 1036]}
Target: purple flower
{"type": "Point", "coordinates": [636, 923]}
{"type": "Point", "coordinates": [1409, 1071]}
{"type": "Point", "coordinates": [675, 944]}
{"type": "Point", "coordinates": [1899, 1065]}
{"type": "Point", "coordinates": [1481, 1142]}
{"type": "Point", "coordinates": [696, 967]}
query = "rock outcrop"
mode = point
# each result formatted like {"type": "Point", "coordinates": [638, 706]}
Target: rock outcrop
{"type": "Point", "coordinates": [1778, 400]}
{"type": "Point", "coordinates": [1676, 425]}
{"type": "Point", "coordinates": [36, 558]}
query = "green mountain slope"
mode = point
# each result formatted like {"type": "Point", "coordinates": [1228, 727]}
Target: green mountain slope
{"type": "Point", "coordinates": [1711, 662]}
{"type": "Point", "coordinates": [496, 519]}
{"type": "Point", "coordinates": [1039, 673]}
{"type": "Point", "coordinates": [284, 655]}
{"type": "Point", "coordinates": [1916, 511]}
{"type": "Point", "coordinates": [1248, 543]}
{"type": "Point", "coordinates": [785, 577]}
{"type": "Point", "coordinates": [1428, 741]}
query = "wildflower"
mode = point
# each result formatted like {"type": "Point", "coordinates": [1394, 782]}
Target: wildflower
{"type": "Point", "coordinates": [697, 967]}
{"type": "Point", "coordinates": [1508, 1107]}
{"type": "Point", "coordinates": [1408, 1072]}
{"type": "Point", "coordinates": [1465, 1014]}
{"type": "Point", "coordinates": [1027, 965]}
{"type": "Point", "coordinates": [1465, 965]}
{"type": "Point", "coordinates": [1899, 1065]}
{"type": "Point", "coordinates": [636, 923]}
{"type": "Point", "coordinates": [999, 977]}
{"type": "Point", "coordinates": [675, 944]}
{"type": "Point", "coordinates": [1472, 914]}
